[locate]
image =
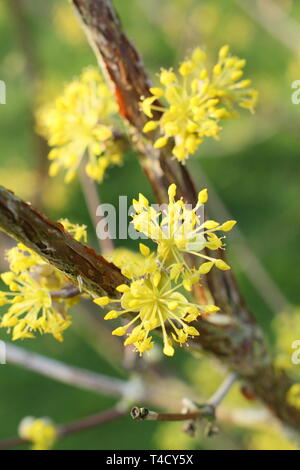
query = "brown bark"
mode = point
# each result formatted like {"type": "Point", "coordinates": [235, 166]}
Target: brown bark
{"type": "Point", "coordinates": [49, 239]}
{"type": "Point", "coordinates": [240, 344]}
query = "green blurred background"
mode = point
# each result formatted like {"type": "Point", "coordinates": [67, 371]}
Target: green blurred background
{"type": "Point", "coordinates": [254, 170]}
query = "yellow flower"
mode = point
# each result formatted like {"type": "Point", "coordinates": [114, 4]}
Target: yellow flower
{"type": "Point", "coordinates": [270, 438]}
{"type": "Point", "coordinates": [32, 308]}
{"type": "Point", "coordinates": [286, 327]}
{"type": "Point", "coordinates": [41, 432]}
{"type": "Point", "coordinates": [293, 395]}
{"type": "Point", "coordinates": [196, 100]}
{"type": "Point", "coordinates": [155, 302]}
{"type": "Point", "coordinates": [77, 231]}
{"type": "Point", "coordinates": [78, 124]}
{"type": "Point", "coordinates": [21, 258]}
{"type": "Point", "coordinates": [67, 25]}
{"type": "Point", "coordinates": [179, 230]}
{"type": "Point", "coordinates": [133, 265]}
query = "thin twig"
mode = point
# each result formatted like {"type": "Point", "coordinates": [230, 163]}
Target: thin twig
{"type": "Point", "coordinates": [143, 414]}
{"type": "Point", "coordinates": [92, 421]}
{"type": "Point", "coordinates": [247, 417]}
{"type": "Point", "coordinates": [72, 428]}
{"type": "Point", "coordinates": [145, 387]}
{"type": "Point", "coordinates": [11, 442]}
{"type": "Point", "coordinates": [275, 20]}
{"type": "Point", "coordinates": [191, 410]}
{"type": "Point", "coordinates": [93, 202]}
{"type": "Point", "coordinates": [66, 292]}
{"type": "Point", "coordinates": [222, 391]}
{"type": "Point", "coordinates": [64, 373]}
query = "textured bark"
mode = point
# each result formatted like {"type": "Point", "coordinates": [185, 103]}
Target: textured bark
{"type": "Point", "coordinates": [49, 239]}
{"type": "Point", "coordinates": [240, 344]}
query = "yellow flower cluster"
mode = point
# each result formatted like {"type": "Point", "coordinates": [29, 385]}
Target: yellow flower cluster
{"type": "Point", "coordinates": [293, 395]}
{"type": "Point", "coordinates": [156, 279]}
{"type": "Point", "coordinates": [157, 302]}
{"type": "Point", "coordinates": [286, 327]}
{"type": "Point", "coordinates": [31, 308]}
{"type": "Point", "coordinates": [66, 25]}
{"type": "Point", "coordinates": [270, 438]}
{"type": "Point", "coordinates": [41, 432]}
{"type": "Point", "coordinates": [179, 230]}
{"type": "Point", "coordinates": [77, 231]}
{"type": "Point", "coordinates": [78, 127]}
{"type": "Point", "coordinates": [31, 280]}
{"type": "Point", "coordinates": [196, 101]}
{"type": "Point", "coordinates": [133, 265]}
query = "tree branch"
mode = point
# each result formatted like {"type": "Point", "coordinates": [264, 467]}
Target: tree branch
{"type": "Point", "coordinates": [72, 428]}
{"type": "Point", "coordinates": [191, 411]}
{"type": "Point", "coordinates": [64, 373]}
{"type": "Point", "coordinates": [222, 391]}
{"type": "Point", "coordinates": [143, 414]}
{"type": "Point", "coordinates": [147, 387]}
{"type": "Point", "coordinates": [50, 240]}
{"type": "Point", "coordinates": [92, 421]}
{"type": "Point", "coordinates": [12, 442]}
{"type": "Point", "coordinates": [274, 20]}
{"type": "Point", "coordinates": [93, 201]}
{"type": "Point", "coordinates": [66, 292]}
